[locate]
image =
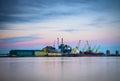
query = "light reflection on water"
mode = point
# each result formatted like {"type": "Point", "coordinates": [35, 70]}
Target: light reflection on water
{"type": "Point", "coordinates": [60, 69]}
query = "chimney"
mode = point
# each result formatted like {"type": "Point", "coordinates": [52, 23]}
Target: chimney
{"type": "Point", "coordinates": [58, 41]}
{"type": "Point", "coordinates": [61, 40]}
{"type": "Point", "coordinates": [54, 43]}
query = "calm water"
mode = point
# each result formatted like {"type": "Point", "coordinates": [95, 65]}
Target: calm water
{"type": "Point", "coordinates": [60, 69]}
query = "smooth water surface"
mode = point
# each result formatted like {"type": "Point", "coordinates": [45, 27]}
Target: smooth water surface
{"type": "Point", "coordinates": [60, 69]}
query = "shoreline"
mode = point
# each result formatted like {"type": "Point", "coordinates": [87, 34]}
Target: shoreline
{"type": "Point", "coordinates": [55, 56]}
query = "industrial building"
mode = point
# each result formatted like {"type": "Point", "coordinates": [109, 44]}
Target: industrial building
{"type": "Point", "coordinates": [26, 53]}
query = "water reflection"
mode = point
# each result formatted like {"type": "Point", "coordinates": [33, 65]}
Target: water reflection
{"type": "Point", "coordinates": [60, 69]}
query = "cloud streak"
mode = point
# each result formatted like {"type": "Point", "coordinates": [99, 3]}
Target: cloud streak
{"type": "Point", "coordinates": [18, 39]}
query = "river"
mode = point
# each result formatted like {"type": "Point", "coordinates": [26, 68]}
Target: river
{"type": "Point", "coordinates": [60, 69]}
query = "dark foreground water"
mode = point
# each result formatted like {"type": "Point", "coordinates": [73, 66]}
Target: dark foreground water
{"type": "Point", "coordinates": [60, 69]}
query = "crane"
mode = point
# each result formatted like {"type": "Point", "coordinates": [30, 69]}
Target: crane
{"type": "Point", "coordinates": [78, 46]}
{"type": "Point", "coordinates": [83, 49]}
{"type": "Point", "coordinates": [97, 49]}
{"type": "Point", "coordinates": [93, 49]}
{"type": "Point", "coordinates": [76, 50]}
{"type": "Point", "coordinates": [89, 47]}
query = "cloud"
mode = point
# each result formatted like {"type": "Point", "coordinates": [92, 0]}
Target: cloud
{"type": "Point", "coordinates": [17, 11]}
{"type": "Point", "coordinates": [69, 30]}
{"type": "Point", "coordinates": [98, 21]}
{"type": "Point", "coordinates": [27, 11]}
{"type": "Point", "coordinates": [73, 30]}
{"type": "Point", "coordinates": [18, 39]}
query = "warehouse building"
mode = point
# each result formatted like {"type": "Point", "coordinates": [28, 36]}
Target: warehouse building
{"type": "Point", "coordinates": [26, 53]}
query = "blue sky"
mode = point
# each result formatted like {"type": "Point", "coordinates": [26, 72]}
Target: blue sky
{"type": "Point", "coordinates": [35, 23]}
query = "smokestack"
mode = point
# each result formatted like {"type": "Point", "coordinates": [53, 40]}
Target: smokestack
{"type": "Point", "coordinates": [58, 41]}
{"type": "Point", "coordinates": [54, 43]}
{"type": "Point", "coordinates": [61, 40]}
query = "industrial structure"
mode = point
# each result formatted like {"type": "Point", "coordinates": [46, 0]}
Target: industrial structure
{"type": "Point", "coordinates": [109, 54]}
{"type": "Point", "coordinates": [26, 53]}
{"type": "Point", "coordinates": [62, 50]}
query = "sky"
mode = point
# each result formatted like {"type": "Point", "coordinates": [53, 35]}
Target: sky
{"type": "Point", "coordinates": [34, 24]}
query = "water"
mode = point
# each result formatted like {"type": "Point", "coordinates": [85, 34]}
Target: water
{"type": "Point", "coordinates": [60, 69]}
